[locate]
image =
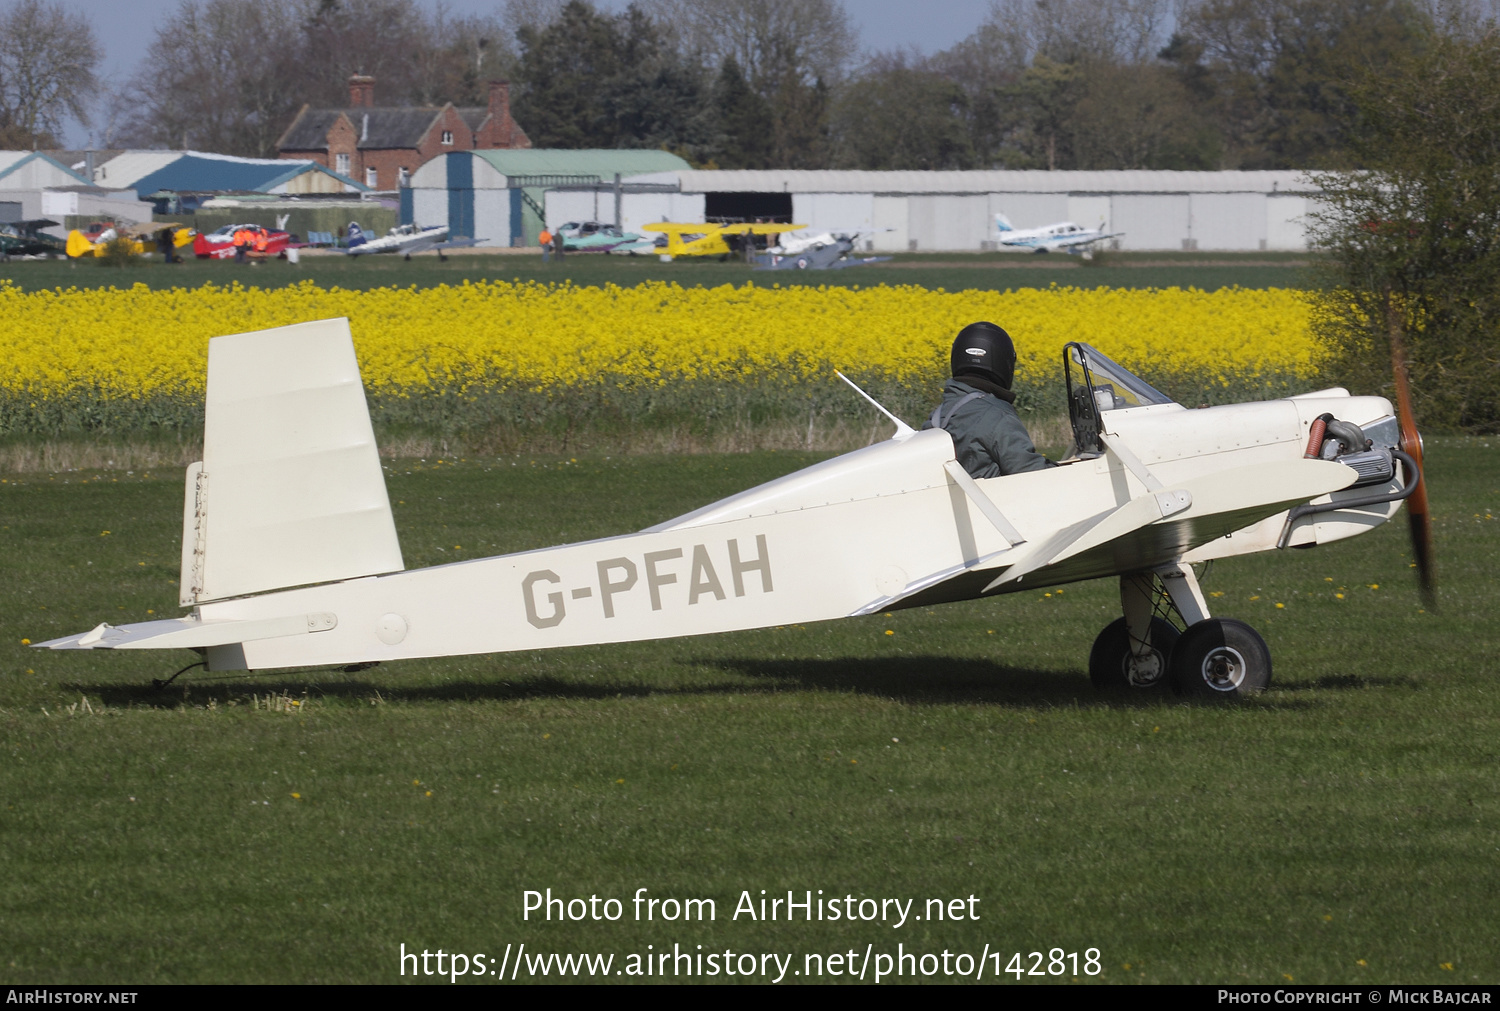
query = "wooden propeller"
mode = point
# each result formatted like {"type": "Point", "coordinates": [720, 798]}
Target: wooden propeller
{"type": "Point", "coordinates": [1418, 516]}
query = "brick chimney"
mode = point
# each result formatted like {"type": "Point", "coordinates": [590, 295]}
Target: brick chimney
{"type": "Point", "coordinates": [500, 99]}
{"type": "Point", "coordinates": [362, 91]}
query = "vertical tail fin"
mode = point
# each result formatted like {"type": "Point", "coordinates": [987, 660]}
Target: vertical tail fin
{"type": "Point", "coordinates": [1002, 223]}
{"type": "Point", "coordinates": [290, 490]}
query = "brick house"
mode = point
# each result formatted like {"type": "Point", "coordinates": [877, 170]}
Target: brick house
{"type": "Point", "coordinates": [381, 146]}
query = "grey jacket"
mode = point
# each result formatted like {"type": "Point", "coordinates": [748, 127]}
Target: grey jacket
{"type": "Point", "coordinates": [988, 435]}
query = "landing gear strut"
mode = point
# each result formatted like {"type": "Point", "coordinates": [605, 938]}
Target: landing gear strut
{"type": "Point", "coordinates": [1167, 638]}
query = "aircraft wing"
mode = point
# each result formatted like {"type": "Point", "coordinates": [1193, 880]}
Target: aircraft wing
{"type": "Point", "coordinates": [1159, 526]}
{"type": "Point", "coordinates": [1152, 529]}
{"type": "Point", "coordinates": [460, 243]}
{"type": "Point", "coordinates": [760, 228]}
{"type": "Point", "coordinates": [1069, 241]}
{"type": "Point", "coordinates": [671, 228]}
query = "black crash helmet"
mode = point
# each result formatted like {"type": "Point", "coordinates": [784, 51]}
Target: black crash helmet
{"type": "Point", "coordinates": [986, 350]}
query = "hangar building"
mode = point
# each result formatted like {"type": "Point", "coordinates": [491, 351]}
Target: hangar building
{"type": "Point", "coordinates": [34, 185]}
{"type": "Point", "coordinates": [909, 211]}
{"type": "Point", "coordinates": [187, 178]}
{"type": "Point", "coordinates": [497, 195]}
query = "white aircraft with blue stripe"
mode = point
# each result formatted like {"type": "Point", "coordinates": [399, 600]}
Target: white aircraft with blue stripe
{"type": "Point", "coordinates": [1064, 236]}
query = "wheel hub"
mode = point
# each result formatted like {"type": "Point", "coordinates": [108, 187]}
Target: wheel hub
{"type": "Point", "coordinates": [1223, 669]}
{"type": "Point", "coordinates": [1145, 670]}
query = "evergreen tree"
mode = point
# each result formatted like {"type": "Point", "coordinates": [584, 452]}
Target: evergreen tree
{"type": "Point", "coordinates": [744, 118]}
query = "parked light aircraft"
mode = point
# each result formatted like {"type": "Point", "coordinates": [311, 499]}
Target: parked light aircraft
{"type": "Point", "coordinates": [826, 251]}
{"type": "Point", "coordinates": [712, 240]}
{"type": "Point", "coordinates": [93, 240]}
{"type": "Point", "coordinates": [405, 239]}
{"type": "Point", "coordinates": [599, 237]}
{"type": "Point", "coordinates": [26, 238]}
{"type": "Point", "coordinates": [290, 556]}
{"type": "Point", "coordinates": [1064, 235]}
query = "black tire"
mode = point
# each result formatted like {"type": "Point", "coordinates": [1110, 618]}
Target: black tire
{"type": "Point", "coordinates": [1110, 667]}
{"type": "Point", "coordinates": [1220, 660]}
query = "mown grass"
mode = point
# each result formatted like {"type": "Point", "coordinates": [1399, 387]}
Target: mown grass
{"type": "Point", "coordinates": [952, 271]}
{"type": "Point", "coordinates": [1343, 827]}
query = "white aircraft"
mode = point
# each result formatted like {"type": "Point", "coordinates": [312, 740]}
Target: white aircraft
{"type": "Point", "coordinates": [290, 556]}
{"type": "Point", "coordinates": [792, 243]}
{"type": "Point", "coordinates": [1064, 235]}
{"type": "Point", "coordinates": [407, 239]}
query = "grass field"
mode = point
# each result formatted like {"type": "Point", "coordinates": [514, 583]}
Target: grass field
{"type": "Point", "coordinates": [301, 826]}
{"type": "Point", "coordinates": [953, 271]}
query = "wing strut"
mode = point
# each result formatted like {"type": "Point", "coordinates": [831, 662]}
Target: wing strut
{"type": "Point", "coordinates": [985, 504]}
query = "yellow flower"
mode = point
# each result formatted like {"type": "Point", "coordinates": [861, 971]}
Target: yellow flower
{"type": "Point", "coordinates": [890, 632]}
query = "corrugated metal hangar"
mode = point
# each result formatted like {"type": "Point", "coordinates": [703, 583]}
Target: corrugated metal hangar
{"type": "Point", "coordinates": [497, 195]}
{"type": "Point", "coordinates": [956, 210]}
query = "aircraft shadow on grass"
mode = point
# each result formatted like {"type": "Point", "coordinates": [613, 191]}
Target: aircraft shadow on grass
{"type": "Point", "coordinates": [926, 680]}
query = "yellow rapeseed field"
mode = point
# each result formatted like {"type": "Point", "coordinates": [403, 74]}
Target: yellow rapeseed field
{"type": "Point", "coordinates": [138, 343]}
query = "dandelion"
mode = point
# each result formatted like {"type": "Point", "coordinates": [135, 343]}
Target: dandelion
{"type": "Point", "coordinates": [25, 642]}
{"type": "Point", "coordinates": [1374, 586]}
{"type": "Point", "coordinates": [1256, 597]}
{"type": "Point", "coordinates": [619, 782]}
{"type": "Point", "coordinates": [1448, 966]}
{"type": "Point", "coordinates": [1280, 606]}
{"type": "Point", "coordinates": [890, 631]}
{"type": "Point", "coordinates": [1360, 962]}
{"type": "Point", "coordinates": [546, 736]}
{"type": "Point", "coordinates": [1338, 596]}
{"type": "Point", "coordinates": [429, 793]}
{"type": "Point", "coordinates": [296, 796]}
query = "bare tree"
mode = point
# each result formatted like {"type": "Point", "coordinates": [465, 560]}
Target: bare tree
{"type": "Point", "coordinates": [220, 76]}
{"type": "Point", "coordinates": [47, 58]}
{"type": "Point", "coordinates": [1070, 31]}
{"type": "Point", "coordinates": [769, 39]}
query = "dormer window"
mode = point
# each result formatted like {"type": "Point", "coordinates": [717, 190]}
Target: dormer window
{"type": "Point", "coordinates": [448, 137]}
{"type": "Point", "coordinates": [341, 164]}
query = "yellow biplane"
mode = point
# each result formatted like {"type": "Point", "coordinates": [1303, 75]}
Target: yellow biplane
{"type": "Point", "coordinates": [704, 239]}
{"type": "Point", "coordinates": [143, 237]}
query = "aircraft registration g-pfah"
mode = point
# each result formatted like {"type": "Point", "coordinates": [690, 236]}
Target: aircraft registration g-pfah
{"type": "Point", "coordinates": [290, 556]}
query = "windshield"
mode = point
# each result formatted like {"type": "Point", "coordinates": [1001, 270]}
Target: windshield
{"type": "Point", "coordinates": [1115, 387]}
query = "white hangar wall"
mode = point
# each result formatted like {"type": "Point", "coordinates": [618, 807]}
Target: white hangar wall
{"type": "Point", "coordinates": [939, 211]}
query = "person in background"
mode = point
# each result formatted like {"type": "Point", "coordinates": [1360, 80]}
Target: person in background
{"type": "Point", "coordinates": [546, 240]}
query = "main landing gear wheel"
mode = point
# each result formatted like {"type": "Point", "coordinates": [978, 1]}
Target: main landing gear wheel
{"type": "Point", "coordinates": [1220, 660]}
{"type": "Point", "coordinates": [1114, 667]}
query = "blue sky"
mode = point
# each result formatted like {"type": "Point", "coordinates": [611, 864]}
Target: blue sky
{"type": "Point", "coordinates": [126, 29]}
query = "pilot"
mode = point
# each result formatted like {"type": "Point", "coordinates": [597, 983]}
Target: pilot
{"type": "Point", "coordinates": [988, 436]}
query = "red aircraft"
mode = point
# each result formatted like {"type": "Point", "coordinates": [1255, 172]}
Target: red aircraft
{"type": "Point", "coordinates": [219, 244]}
